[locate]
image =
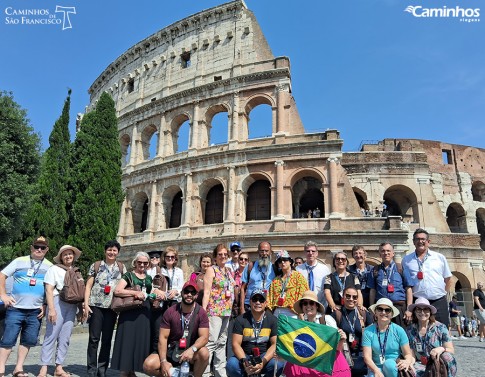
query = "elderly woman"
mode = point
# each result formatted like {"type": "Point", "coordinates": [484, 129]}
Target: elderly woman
{"type": "Point", "coordinates": [60, 314]}
{"type": "Point", "coordinates": [352, 321]}
{"type": "Point", "coordinates": [218, 300]}
{"type": "Point", "coordinates": [174, 274]}
{"type": "Point", "coordinates": [132, 342]}
{"type": "Point", "coordinates": [429, 338]}
{"type": "Point", "coordinates": [287, 287]}
{"type": "Point", "coordinates": [313, 311]}
{"type": "Point", "coordinates": [197, 277]}
{"type": "Point", "coordinates": [336, 282]}
{"type": "Point", "coordinates": [384, 342]}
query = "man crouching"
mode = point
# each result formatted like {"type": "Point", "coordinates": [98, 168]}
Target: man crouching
{"type": "Point", "coordinates": [184, 332]}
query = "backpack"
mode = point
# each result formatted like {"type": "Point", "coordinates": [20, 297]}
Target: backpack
{"type": "Point", "coordinates": [73, 290]}
{"type": "Point", "coordinates": [436, 367]}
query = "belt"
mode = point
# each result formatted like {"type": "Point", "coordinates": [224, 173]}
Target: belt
{"type": "Point", "coordinates": [398, 302]}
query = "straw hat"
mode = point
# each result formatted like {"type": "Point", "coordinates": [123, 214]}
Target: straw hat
{"type": "Point", "coordinates": [75, 250]}
{"type": "Point", "coordinates": [421, 302]}
{"type": "Point", "coordinates": [386, 302]}
{"type": "Point", "coordinates": [308, 295]}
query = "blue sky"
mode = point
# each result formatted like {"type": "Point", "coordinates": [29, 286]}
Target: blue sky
{"type": "Point", "coordinates": [366, 68]}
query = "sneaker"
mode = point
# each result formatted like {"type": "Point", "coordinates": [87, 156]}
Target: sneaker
{"type": "Point", "coordinates": [481, 340]}
{"type": "Point", "coordinates": [453, 337]}
{"type": "Point", "coordinates": [462, 337]}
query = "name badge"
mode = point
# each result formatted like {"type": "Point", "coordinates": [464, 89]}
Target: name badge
{"type": "Point", "coordinates": [32, 282]}
{"type": "Point", "coordinates": [384, 282]}
{"type": "Point", "coordinates": [382, 359]}
{"type": "Point", "coordinates": [144, 289]}
{"type": "Point", "coordinates": [419, 347]}
{"type": "Point", "coordinates": [30, 272]}
{"type": "Point", "coordinates": [351, 338]}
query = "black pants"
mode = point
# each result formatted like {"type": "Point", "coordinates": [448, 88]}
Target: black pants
{"type": "Point", "coordinates": [155, 320]}
{"type": "Point", "coordinates": [101, 325]}
{"type": "Point", "coordinates": [442, 315]}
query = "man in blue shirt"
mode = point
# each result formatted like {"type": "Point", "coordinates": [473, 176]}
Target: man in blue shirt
{"type": "Point", "coordinates": [259, 274]}
{"type": "Point", "coordinates": [387, 281]}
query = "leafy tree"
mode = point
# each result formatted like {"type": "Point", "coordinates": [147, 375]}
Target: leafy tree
{"type": "Point", "coordinates": [96, 182]}
{"type": "Point", "coordinates": [48, 214]}
{"type": "Point", "coordinates": [19, 168]}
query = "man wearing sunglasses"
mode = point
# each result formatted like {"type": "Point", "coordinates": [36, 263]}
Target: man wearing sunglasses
{"type": "Point", "coordinates": [254, 341]}
{"type": "Point", "coordinates": [184, 333]}
{"type": "Point", "coordinates": [25, 304]}
{"type": "Point", "coordinates": [235, 248]}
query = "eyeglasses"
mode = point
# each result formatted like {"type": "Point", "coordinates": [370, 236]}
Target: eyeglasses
{"type": "Point", "coordinates": [222, 255]}
{"type": "Point", "coordinates": [189, 292]}
{"type": "Point", "coordinates": [170, 257]}
{"type": "Point", "coordinates": [425, 310]}
{"type": "Point", "coordinates": [41, 247]}
{"type": "Point", "coordinates": [420, 239]}
{"type": "Point", "coordinates": [312, 251]}
{"type": "Point", "coordinates": [384, 310]}
{"type": "Point", "coordinates": [142, 263]}
{"type": "Point", "coordinates": [308, 302]}
{"type": "Point", "coordinates": [351, 297]}
{"type": "Point", "coordinates": [258, 299]}
{"type": "Point", "coordinates": [154, 257]}
{"type": "Point", "coordinates": [244, 259]}
{"type": "Point", "coordinates": [341, 259]}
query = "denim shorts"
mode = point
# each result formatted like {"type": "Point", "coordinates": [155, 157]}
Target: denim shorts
{"type": "Point", "coordinates": [23, 321]}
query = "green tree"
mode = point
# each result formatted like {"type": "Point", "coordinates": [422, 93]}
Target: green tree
{"type": "Point", "coordinates": [48, 214]}
{"type": "Point", "coordinates": [19, 168]}
{"type": "Point", "coordinates": [96, 182]}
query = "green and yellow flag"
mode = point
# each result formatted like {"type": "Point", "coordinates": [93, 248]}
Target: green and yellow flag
{"type": "Point", "coordinates": [307, 344]}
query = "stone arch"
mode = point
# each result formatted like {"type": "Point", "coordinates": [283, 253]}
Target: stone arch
{"type": "Point", "coordinates": [173, 204]}
{"type": "Point", "coordinates": [177, 122]}
{"type": "Point", "coordinates": [211, 194]}
{"type": "Point", "coordinates": [149, 142]}
{"type": "Point", "coordinates": [456, 218]}
{"type": "Point", "coordinates": [401, 201]}
{"type": "Point", "coordinates": [258, 200]}
{"type": "Point", "coordinates": [480, 214]}
{"type": "Point", "coordinates": [478, 191]}
{"type": "Point", "coordinates": [253, 102]}
{"type": "Point", "coordinates": [209, 133]}
{"type": "Point", "coordinates": [140, 207]}
{"type": "Point", "coordinates": [125, 144]}
{"type": "Point", "coordinates": [361, 197]}
{"type": "Point", "coordinates": [307, 194]}
{"type": "Point", "coordinates": [462, 288]}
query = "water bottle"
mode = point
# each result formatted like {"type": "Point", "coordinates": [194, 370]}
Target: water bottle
{"type": "Point", "coordinates": [184, 369]}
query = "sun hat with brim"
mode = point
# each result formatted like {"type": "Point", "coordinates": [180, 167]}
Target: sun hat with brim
{"type": "Point", "coordinates": [386, 302]}
{"type": "Point", "coordinates": [308, 295]}
{"type": "Point", "coordinates": [75, 250]}
{"type": "Point", "coordinates": [421, 302]}
{"type": "Point", "coordinates": [283, 254]}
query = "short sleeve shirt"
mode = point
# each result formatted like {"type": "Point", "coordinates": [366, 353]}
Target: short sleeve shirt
{"type": "Point", "coordinates": [481, 297]}
{"type": "Point", "coordinates": [396, 338]}
{"type": "Point", "coordinates": [172, 321]}
{"type": "Point", "coordinates": [338, 284]}
{"type": "Point", "coordinates": [390, 275]}
{"type": "Point", "coordinates": [244, 325]}
{"type": "Point", "coordinates": [260, 277]}
{"type": "Point", "coordinates": [55, 277]}
{"type": "Point", "coordinates": [107, 275]}
{"type": "Point", "coordinates": [452, 307]}
{"type": "Point", "coordinates": [27, 291]}
{"type": "Point", "coordinates": [146, 283]}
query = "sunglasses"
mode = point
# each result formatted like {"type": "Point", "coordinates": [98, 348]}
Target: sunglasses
{"type": "Point", "coordinates": [154, 257]}
{"type": "Point", "coordinates": [285, 259]}
{"type": "Point", "coordinates": [351, 297]}
{"type": "Point", "coordinates": [41, 247]}
{"type": "Point", "coordinates": [189, 292]}
{"type": "Point", "coordinates": [384, 310]}
{"type": "Point", "coordinates": [244, 259]}
{"type": "Point", "coordinates": [170, 257]}
{"type": "Point", "coordinates": [222, 255]}
{"type": "Point", "coordinates": [426, 310]}
{"type": "Point", "coordinates": [142, 263]}
{"type": "Point", "coordinates": [236, 250]}
{"type": "Point", "coordinates": [258, 299]}
{"type": "Point", "coordinates": [341, 259]}
{"type": "Point", "coordinates": [308, 302]}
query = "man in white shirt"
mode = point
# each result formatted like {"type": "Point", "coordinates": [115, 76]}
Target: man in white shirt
{"type": "Point", "coordinates": [314, 271]}
{"type": "Point", "coordinates": [233, 263]}
{"type": "Point", "coordinates": [428, 275]}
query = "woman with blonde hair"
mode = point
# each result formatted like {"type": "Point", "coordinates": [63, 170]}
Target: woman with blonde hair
{"type": "Point", "coordinates": [174, 274]}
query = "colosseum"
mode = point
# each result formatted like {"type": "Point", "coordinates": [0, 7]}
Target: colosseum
{"type": "Point", "coordinates": [288, 187]}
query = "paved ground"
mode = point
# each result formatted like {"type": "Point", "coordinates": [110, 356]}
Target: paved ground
{"type": "Point", "coordinates": [470, 355]}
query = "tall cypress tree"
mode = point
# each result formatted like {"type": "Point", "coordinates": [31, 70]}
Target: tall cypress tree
{"type": "Point", "coordinates": [19, 169]}
{"type": "Point", "coordinates": [49, 213]}
{"type": "Point", "coordinates": [96, 181]}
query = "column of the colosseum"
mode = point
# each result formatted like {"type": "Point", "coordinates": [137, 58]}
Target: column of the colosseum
{"type": "Point", "coordinates": [152, 213]}
{"type": "Point", "coordinates": [122, 225]}
{"type": "Point", "coordinates": [134, 145]}
{"type": "Point", "coordinates": [194, 142]}
{"type": "Point", "coordinates": [279, 188]}
{"type": "Point", "coordinates": [187, 207]}
{"type": "Point", "coordinates": [128, 218]}
{"type": "Point", "coordinates": [280, 110]}
{"type": "Point", "coordinates": [229, 219]}
{"type": "Point", "coordinates": [333, 181]}
{"type": "Point", "coordinates": [233, 132]}
{"type": "Point", "coordinates": [164, 137]}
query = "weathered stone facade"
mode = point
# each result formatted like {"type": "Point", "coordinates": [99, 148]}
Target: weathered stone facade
{"type": "Point", "coordinates": [218, 61]}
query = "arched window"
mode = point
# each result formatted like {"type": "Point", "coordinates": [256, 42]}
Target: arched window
{"type": "Point", "coordinates": [401, 201]}
{"type": "Point", "coordinates": [140, 212]}
{"type": "Point", "coordinates": [260, 121]}
{"type": "Point", "coordinates": [308, 200]}
{"type": "Point", "coordinates": [258, 204]}
{"type": "Point", "coordinates": [182, 139]}
{"type": "Point", "coordinates": [214, 207]}
{"type": "Point", "coordinates": [456, 218]}
{"type": "Point", "coordinates": [481, 226]}
{"type": "Point", "coordinates": [176, 211]}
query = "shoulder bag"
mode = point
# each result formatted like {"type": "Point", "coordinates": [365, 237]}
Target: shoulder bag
{"type": "Point", "coordinates": [122, 304]}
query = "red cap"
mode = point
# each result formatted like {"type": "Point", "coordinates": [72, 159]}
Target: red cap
{"type": "Point", "coordinates": [190, 284]}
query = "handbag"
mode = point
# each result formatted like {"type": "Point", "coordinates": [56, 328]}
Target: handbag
{"type": "Point", "coordinates": [122, 304]}
{"type": "Point", "coordinates": [405, 373]}
{"type": "Point", "coordinates": [159, 282]}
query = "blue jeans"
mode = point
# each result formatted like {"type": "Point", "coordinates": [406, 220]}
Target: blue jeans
{"type": "Point", "coordinates": [23, 321]}
{"type": "Point", "coordinates": [234, 369]}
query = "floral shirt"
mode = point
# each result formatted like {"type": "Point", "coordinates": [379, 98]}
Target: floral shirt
{"type": "Point", "coordinates": [219, 304]}
{"type": "Point", "coordinates": [436, 336]}
{"type": "Point", "coordinates": [295, 287]}
{"type": "Point", "coordinates": [107, 275]}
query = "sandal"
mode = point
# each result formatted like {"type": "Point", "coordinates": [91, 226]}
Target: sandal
{"type": "Point", "coordinates": [63, 374]}
{"type": "Point", "coordinates": [20, 373]}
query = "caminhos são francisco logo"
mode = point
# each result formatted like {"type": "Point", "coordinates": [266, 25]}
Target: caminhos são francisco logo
{"type": "Point", "coordinates": [40, 16]}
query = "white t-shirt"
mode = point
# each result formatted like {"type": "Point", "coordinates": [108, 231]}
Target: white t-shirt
{"type": "Point", "coordinates": [55, 276]}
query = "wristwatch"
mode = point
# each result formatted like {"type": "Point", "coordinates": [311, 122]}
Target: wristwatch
{"type": "Point", "coordinates": [194, 348]}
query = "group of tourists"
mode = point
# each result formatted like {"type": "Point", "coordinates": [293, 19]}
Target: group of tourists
{"type": "Point", "coordinates": [222, 320]}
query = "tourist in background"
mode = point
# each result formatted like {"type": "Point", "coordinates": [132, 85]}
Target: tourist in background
{"type": "Point", "coordinates": [233, 262]}
{"type": "Point", "coordinates": [455, 318]}
{"type": "Point", "coordinates": [298, 261]}
{"type": "Point", "coordinates": [479, 309]}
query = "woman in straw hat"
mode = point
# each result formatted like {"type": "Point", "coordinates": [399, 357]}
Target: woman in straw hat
{"type": "Point", "coordinates": [429, 338]}
{"type": "Point", "coordinates": [60, 314]}
{"type": "Point", "coordinates": [311, 310]}
{"type": "Point", "coordinates": [384, 342]}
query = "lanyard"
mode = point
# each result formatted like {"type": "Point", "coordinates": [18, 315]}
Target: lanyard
{"type": "Point", "coordinates": [109, 273]}
{"type": "Point", "coordinates": [383, 345]}
{"type": "Point", "coordinates": [424, 340]}
{"type": "Point", "coordinates": [33, 264]}
{"type": "Point", "coordinates": [351, 324]}
{"type": "Point", "coordinates": [257, 329]}
{"type": "Point", "coordinates": [284, 284]}
{"type": "Point", "coordinates": [263, 275]}
{"type": "Point", "coordinates": [391, 270]}
{"type": "Point", "coordinates": [184, 320]}
{"type": "Point", "coordinates": [342, 285]}
{"type": "Point", "coordinates": [420, 264]}
{"type": "Point", "coordinates": [170, 279]}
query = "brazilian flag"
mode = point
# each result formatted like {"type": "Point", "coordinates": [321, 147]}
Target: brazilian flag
{"type": "Point", "coordinates": [308, 344]}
